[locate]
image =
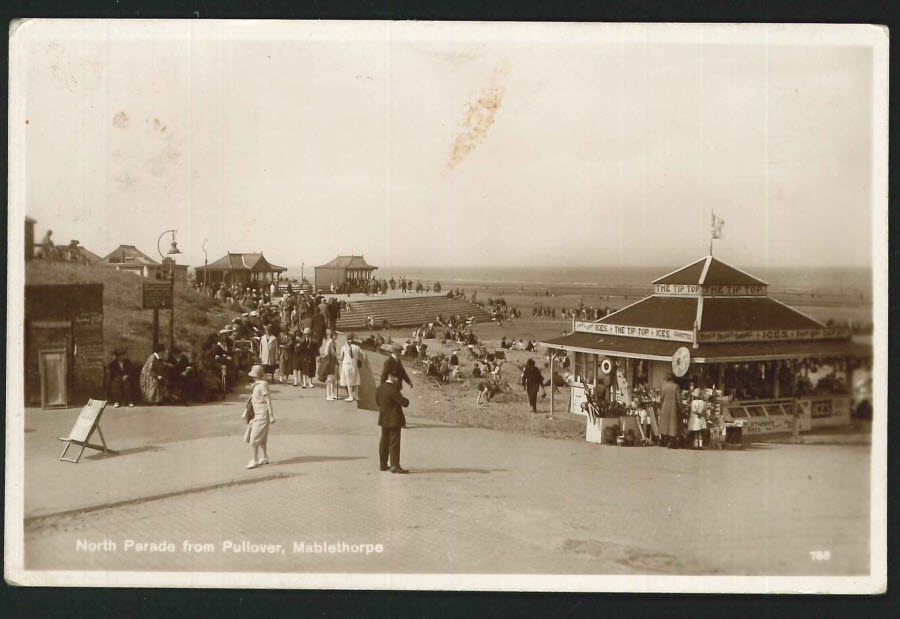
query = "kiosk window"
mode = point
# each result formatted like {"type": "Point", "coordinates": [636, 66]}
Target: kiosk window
{"type": "Point", "coordinates": [756, 411]}
{"type": "Point", "coordinates": [774, 410]}
{"type": "Point", "coordinates": [737, 412]}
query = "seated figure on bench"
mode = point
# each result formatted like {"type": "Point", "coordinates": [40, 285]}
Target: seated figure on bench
{"type": "Point", "coordinates": [122, 377]}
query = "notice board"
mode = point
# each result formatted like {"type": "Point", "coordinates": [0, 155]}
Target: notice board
{"type": "Point", "coordinates": [157, 295]}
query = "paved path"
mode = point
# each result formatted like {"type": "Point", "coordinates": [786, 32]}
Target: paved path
{"type": "Point", "coordinates": [476, 501]}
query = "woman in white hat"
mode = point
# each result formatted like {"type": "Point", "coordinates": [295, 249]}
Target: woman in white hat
{"type": "Point", "coordinates": [257, 433]}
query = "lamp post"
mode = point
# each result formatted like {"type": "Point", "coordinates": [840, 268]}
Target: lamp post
{"type": "Point", "coordinates": [205, 269]}
{"type": "Point", "coordinates": [173, 250]}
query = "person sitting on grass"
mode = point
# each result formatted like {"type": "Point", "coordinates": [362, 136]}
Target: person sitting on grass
{"type": "Point", "coordinates": [476, 371]}
{"type": "Point", "coordinates": [433, 368]}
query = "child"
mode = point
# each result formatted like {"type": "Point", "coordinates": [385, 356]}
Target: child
{"type": "Point", "coordinates": [697, 421]}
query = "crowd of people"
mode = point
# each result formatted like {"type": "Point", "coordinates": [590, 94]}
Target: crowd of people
{"type": "Point", "coordinates": [406, 285]}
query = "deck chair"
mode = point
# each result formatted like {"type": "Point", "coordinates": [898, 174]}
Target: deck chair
{"type": "Point", "coordinates": [88, 421]}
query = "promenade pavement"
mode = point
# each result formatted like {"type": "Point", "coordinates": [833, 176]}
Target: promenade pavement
{"type": "Point", "coordinates": [476, 500]}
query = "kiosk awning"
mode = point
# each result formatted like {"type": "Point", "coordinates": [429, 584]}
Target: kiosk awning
{"type": "Point", "coordinates": [641, 348]}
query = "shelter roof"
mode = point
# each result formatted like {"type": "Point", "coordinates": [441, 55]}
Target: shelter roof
{"type": "Point", "coordinates": [710, 271]}
{"type": "Point", "coordinates": [752, 314]}
{"type": "Point", "coordinates": [347, 262]}
{"type": "Point", "coordinates": [254, 262]}
{"type": "Point", "coordinates": [657, 312]}
{"type": "Point", "coordinates": [127, 254]}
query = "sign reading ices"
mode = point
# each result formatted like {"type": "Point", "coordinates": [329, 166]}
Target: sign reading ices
{"type": "Point", "coordinates": [773, 335]}
{"type": "Point", "coordinates": [651, 333]}
{"type": "Point", "coordinates": [709, 291]}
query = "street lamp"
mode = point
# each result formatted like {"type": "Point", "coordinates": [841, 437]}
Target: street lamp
{"type": "Point", "coordinates": [173, 251]}
{"type": "Point", "coordinates": [205, 269]}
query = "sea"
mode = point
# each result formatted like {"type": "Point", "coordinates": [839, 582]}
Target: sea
{"type": "Point", "coordinates": [852, 282]}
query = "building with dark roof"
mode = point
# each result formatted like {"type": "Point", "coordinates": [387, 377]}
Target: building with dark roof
{"type": "Point", "coordinates": [352, 270]}
{"type": "Point", "coordinates": [717, 326]}
{"type": "Point", "coordinates": [240, 268]}
{"type": "Point", "coordinates": [130, 259]}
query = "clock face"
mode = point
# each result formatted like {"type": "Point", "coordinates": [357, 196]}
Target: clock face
{"type": "Point", "coordinates": [681, 361]}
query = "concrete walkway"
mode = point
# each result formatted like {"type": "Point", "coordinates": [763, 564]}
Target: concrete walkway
{"type": "Point", "coordinates": [476, 501]}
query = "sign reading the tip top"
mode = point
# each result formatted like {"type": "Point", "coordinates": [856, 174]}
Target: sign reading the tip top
{"type": "Point", "coordinates": [652, 333]}
{"type": "Point", "coordinates": [709, 290]}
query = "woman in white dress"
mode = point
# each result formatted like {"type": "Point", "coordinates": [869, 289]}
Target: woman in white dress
{"type": "Point", "coordinates": [327, 369]}
{"type": "Point", "coordinates": [697, 420]}
{"type": "Point", "coordinates": [257, 433]}
{"type": "Point", "coordinates": [350, 363]}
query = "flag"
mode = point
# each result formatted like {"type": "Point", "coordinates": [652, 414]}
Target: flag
{"type": "Point", "coordinates": [717, 224]}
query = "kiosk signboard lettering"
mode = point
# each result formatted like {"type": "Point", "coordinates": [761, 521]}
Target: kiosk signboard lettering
{"type": "Point", "coordinates": [652, 333]}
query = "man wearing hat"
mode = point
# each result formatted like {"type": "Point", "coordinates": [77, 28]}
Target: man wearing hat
{"type": "Point", "coordinates": [268, 351]}
{"type": "Point", "coordinates": [307, 351]}
{"type": "Point", "coordinates": [393, 366]}
{"type": "Point", "coordinates": [121, 379]}
{"type": "Point", "coordinates": [391, 419]}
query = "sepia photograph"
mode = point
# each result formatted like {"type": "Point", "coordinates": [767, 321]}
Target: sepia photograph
{"type": "Point", "coordinates": [447, 306]}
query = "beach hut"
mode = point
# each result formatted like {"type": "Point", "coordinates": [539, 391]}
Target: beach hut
{"type": "Point", "coordinates": [240, 268]}
{"type": "Point", "coordinates": [716, 326]}
{"type": "Point", "coordinates": [352, 270]}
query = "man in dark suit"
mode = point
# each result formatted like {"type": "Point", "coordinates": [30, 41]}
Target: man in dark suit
{"type": "Point", "coordinates": [393, 366]}
{"type": "Point", "coordinates": [391, 419]}
{"type": "Point", "coordinates": [121, 379]}
{"type": "Point", "coordinates": [318, 325]}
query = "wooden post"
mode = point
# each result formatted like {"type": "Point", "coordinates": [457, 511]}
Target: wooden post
{"type": "Point", "coordinates": [155, 329]}
{"type": "Point", "coordinates": [172, 316]}
{"type": "Point", "coordinates": [552, 369]}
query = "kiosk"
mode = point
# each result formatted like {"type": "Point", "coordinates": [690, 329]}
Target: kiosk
{"type": "Point", "coordinates": [713, 325]}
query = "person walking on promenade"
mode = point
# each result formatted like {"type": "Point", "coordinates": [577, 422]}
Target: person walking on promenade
{"type": "Point", "coordinates": [286, 356]}
{"type": "Point", "coordinates": [391, 419]}
{"type": "Point", "coordinates": [327, 369]}
{"type": "Point", "coordinates": [532, 381]}
{"type": "Point", "coordinates": [393, 366]}
{"type": "Point", "coordinates": [318, 326]}
{"type": "Point", "coordinates": [268, 351]}
{"type": "Point", "coordinates": [153, 382]}
{"type": "Point", "coordinates": [350, 363]}
{"type": "Point", "coordinates": [257, 433]}
{"type": "Point", "coordinates": [669, 408]}
{"type": "Point", "coordinates": [306, 351]}
{"type": "Point", "coordinates": [334, 313]}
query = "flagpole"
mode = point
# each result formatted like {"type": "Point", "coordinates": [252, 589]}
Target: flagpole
{"type": "Point", "coordinates": [712, 231]}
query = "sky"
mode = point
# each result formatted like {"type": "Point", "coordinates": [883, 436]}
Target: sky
{"type": "Point", "coordinates": [448, 144]}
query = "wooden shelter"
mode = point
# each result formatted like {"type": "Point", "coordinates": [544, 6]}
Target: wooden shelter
{"type": "Point", "coordinates": [353, 270]}
{"type": "Point", "coordinates": [240, 268]}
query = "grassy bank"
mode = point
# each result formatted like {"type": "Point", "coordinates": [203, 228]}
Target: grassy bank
{"type": "Point", "coordinates": [125, 324]}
